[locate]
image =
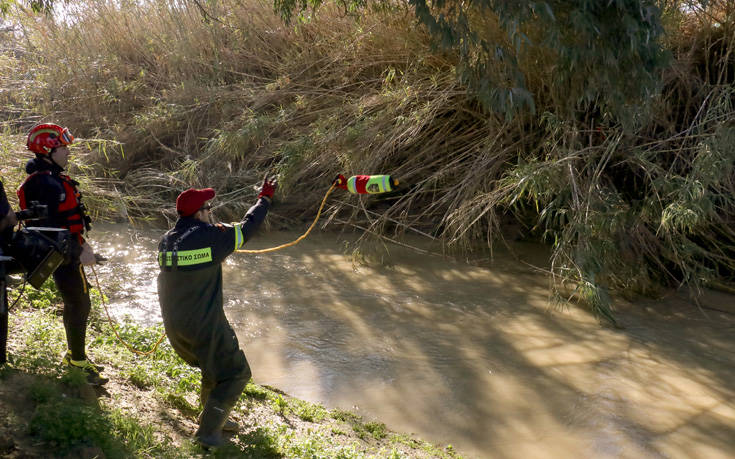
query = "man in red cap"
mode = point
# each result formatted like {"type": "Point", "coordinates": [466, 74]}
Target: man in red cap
{"type": "Point", "coordinates": [190, 294]}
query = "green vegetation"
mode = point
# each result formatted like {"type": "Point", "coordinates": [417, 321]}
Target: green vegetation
{"type": "Point", "coordinates": [149, 407]}
{"type": "Point", "coordinates": [605, 54]}
{"type": "Point", "coordinates": [627, 173]}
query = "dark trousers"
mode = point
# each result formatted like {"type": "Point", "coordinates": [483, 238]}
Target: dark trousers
{"type": "Point", "coordinates": [72, 284]}
{"type": "Point", "coordinates": [213, 347]}
{"type": "Point", "coordinates": [3, 315]}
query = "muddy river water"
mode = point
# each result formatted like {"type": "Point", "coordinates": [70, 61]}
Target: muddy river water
{"type": "Point", "coordinates": [471, 356]}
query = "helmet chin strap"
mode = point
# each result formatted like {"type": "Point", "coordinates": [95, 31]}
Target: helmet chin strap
{"type": "Point", "coordinates": [51, 159]}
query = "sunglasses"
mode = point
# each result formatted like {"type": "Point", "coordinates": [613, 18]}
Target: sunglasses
{"type": "Point", "coordinates": [206, 207]}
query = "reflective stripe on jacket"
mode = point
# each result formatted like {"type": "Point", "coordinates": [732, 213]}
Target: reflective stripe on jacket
{"type": "Point", "coordinates": [194, 243]}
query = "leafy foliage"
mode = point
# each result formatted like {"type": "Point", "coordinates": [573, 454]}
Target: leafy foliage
{"type": "Point", "coordinates": [605, 54]}
{"type": "Point", "coordinates": [37, 6]}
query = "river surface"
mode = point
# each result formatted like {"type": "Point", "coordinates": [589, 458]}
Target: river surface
{"type": "Point", "coordinates": [472, 356]}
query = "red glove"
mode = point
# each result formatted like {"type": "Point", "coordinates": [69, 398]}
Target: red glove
{"type": "Point", "coordinates": [341, 182]}
{"type": "Point", "coordinates": [268, 188]}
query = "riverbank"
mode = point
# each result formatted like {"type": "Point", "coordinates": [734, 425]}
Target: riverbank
{"type": "Point", "coordinates": [149, 406]}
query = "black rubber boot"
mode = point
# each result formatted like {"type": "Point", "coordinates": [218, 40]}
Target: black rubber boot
{"type": "Point", "coordinates": [207, 386]}
{"type": "Point", "coordinates": [211, 421]}
{"type": "Point", "coordinates": [229, 425]}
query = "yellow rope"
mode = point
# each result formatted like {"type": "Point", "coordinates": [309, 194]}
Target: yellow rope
{"type": "Point", "coordinates": [112, 324]}
{"type": "Point", "coordinates": [300, 238]}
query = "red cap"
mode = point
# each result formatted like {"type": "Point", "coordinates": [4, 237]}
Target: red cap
{"type": "Point", "coordinates": [192, 200]}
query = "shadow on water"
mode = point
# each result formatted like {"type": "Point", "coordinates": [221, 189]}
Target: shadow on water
{"type": "Point", "coordinates": [467, 355]}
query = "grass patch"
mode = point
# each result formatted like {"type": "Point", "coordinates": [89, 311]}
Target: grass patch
{"type": "Point", "coordinates": [308, 411]}
{"type": "Point", "coordinates": [377, 430]}
{"type": "Point", "coordinates": [180, 402]}
{"type": "Point", "coordinates": [279, 404]}
{"type": "Point", "coordinates": [138, 437]}
{"type": "Point", "coordinates": [68, 424]}
{"type": "Point", "coordinates": [431, 450]}
{"type": "Point", "coordinates": [345, 416]}
{"type": "Point", "coordinates": [259, 443]}
{"type": "Point", "coordinates": [255, 392]}
{"type": "Point", "coordinates": [139, 377]}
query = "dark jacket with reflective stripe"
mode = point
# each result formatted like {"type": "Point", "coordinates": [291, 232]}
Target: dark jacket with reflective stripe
{"type": "Point", "coordinates": [190, 257]}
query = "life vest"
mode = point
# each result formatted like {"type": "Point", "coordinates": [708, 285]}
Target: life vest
{"type": "Point", "coordinates": [70, 212]}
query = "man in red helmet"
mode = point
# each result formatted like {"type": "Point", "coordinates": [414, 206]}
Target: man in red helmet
{"type": "Point", "coordinates": [46, 185]}
{"type": "Point", "coordinates": [190, 294]}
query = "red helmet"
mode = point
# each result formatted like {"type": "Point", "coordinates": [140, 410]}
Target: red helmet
{"type": "Point", "coordinates": [45, 137]}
